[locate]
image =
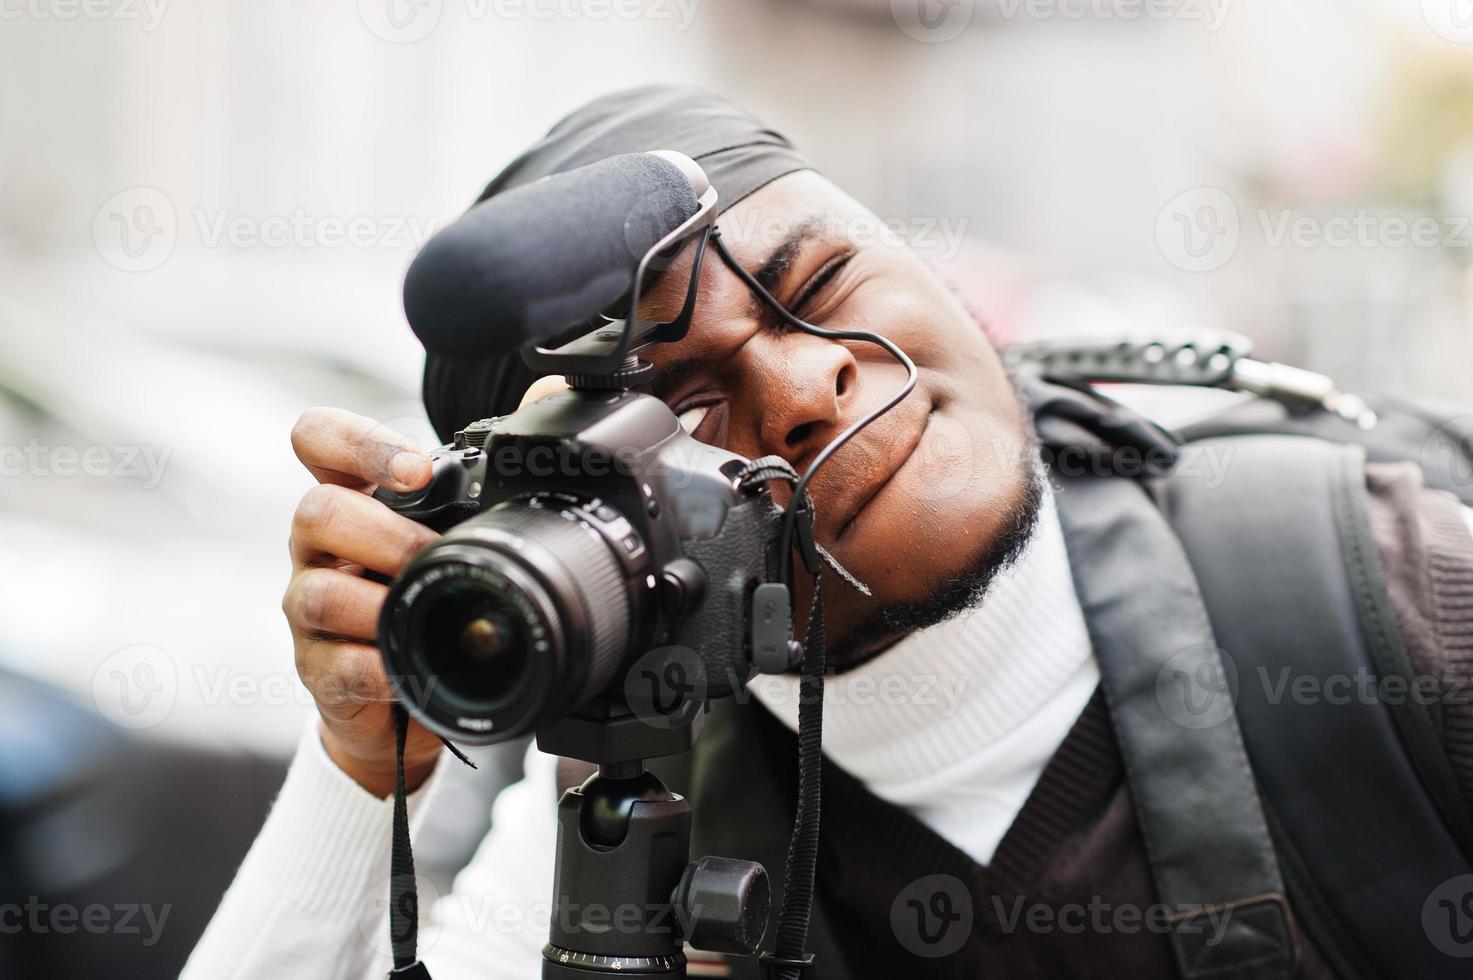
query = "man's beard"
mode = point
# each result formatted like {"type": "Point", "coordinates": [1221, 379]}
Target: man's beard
{"type": "Point", "coordinates": [959, 593]}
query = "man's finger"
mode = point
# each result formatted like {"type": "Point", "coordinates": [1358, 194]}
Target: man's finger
{"type": "Point", "coordinates": [336, 523]}
{"type": "Point", "coordinates": [351, 450]}
{"type": "Point", "coordinates": [325, 600]}
{"type": "Point", "coordinates": [342, 675]}
{"type": "Point", "coordinates": [548, 384]}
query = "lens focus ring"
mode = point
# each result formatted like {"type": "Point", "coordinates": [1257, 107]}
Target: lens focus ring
{"type": "Point", "coordinates": [591, 566]}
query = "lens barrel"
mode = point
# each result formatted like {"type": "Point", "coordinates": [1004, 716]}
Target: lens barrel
{"type": "Point", "coordinates": [511, 619]}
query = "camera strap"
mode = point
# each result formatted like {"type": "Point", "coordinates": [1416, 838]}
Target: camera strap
{"type": "Point", "coordinates": [789, 959]}
{"type": "Point", "coordinates": [403, 889]}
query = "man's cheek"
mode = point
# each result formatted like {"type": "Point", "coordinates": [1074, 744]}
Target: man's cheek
{"type": "Point", "coordinates": [949, 462]}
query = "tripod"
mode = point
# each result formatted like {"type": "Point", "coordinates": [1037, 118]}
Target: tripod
{"type": "Point", "coordinates": [626, 896]}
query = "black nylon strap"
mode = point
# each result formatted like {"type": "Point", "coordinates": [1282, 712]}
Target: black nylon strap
{"type": "Point", "coordinates": [403, 894]}
{"type": "Point", "coordinates": [1198, 808]}
{"type": "Point", "coordinates": [1342, 772]}
{"type": "Point", "coordinates": [790, 959]}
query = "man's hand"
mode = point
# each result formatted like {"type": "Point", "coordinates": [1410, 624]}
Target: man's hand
{"type": "Point", "coordinates": [338, 532]}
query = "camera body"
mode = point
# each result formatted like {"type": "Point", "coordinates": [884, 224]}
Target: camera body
{"type": "Point", "coordinates": [600, 571]}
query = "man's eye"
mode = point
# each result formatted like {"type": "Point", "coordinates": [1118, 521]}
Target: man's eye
{"type": "Point", "coordinates": [691, 418]}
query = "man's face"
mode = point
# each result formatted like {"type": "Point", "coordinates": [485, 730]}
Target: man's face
{"type": "Point", "coordinates": [924, 503]}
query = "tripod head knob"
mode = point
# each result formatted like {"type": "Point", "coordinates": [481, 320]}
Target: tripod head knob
{"type": "Point", "coordinates": [723, 905]}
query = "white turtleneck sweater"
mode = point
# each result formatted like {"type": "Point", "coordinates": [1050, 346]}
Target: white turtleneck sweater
{"type": "Point", "coordinates": [954, 723]}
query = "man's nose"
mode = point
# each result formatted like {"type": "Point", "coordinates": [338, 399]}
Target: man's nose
{"type": "Point", "coordinates": [809, 385]}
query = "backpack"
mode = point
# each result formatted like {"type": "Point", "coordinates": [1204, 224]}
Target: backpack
{"type": "Point", "coordinates": [1350, 809]}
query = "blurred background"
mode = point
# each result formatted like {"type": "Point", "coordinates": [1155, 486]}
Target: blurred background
{"type": "Point", "coordinates": [206, 210]}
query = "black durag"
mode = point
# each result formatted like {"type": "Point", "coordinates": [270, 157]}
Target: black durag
{"type": "Point", "coordinates": [738, 152]}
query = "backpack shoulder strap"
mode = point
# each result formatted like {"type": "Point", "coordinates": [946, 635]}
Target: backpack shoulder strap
{"type": "Point", "coordinates": [1366, 814]}
{"type": "Point", "coordinates": [1207, 842]}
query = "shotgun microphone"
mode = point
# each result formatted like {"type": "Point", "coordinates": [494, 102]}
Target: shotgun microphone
{"type": "Point", "coordinates": [533, 262]}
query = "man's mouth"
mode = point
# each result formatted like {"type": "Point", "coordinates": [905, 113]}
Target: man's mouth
{"type": "Point", "coordinates": [893, 447]}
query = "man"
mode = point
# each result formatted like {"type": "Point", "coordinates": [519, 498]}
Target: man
{"type": "Point", "coordinates": [992, 763]}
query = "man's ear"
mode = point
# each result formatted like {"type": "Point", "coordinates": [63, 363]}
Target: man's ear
{"type": "Point", "coordinates": [549, 384]}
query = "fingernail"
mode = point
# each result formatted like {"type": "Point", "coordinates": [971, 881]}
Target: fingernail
{"type": "Point", "coordinates": [408, 467]}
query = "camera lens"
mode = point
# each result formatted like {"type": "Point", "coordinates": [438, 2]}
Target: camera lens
{"type": "Point", "coordinates": [475, 642]}
{"type": "Point", "coordinates": [511, 619]}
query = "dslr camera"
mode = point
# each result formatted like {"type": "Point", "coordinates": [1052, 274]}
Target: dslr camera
{"type": "Point", "coordinates": [585, 534]}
